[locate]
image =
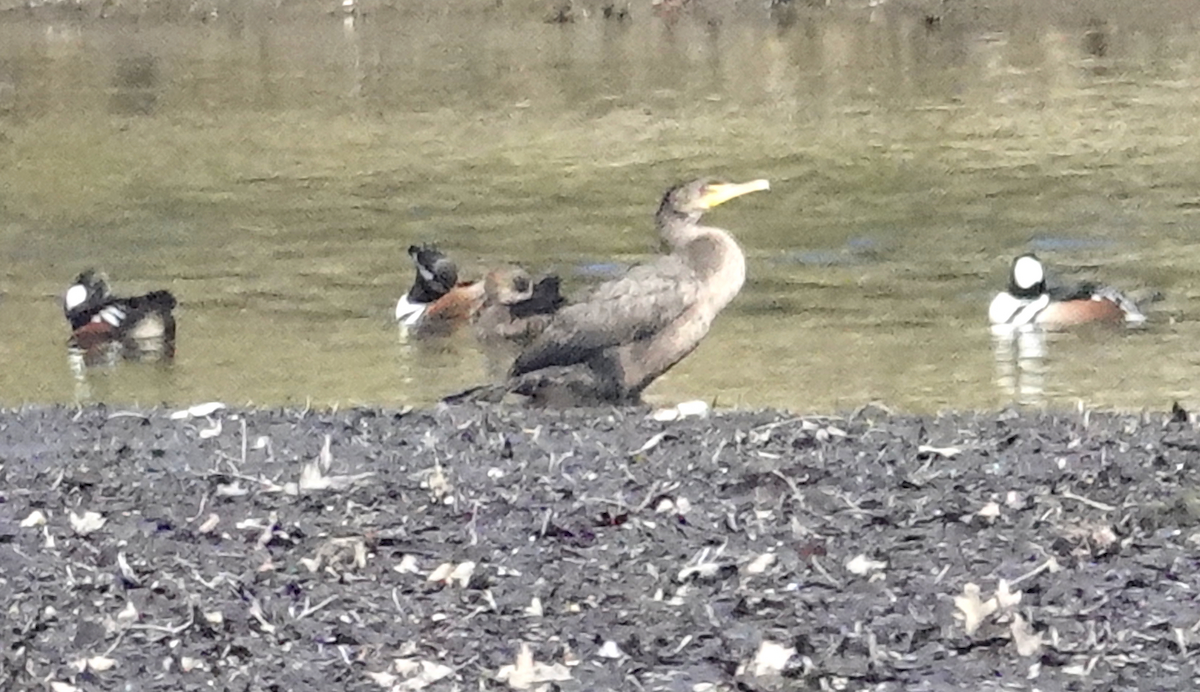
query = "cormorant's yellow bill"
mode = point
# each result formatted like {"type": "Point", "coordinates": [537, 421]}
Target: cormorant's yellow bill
{"type": "Point", "coordinates": [719, 193]}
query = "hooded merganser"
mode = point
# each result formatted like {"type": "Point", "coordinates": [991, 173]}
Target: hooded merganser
{"type": "Point", "coordinates": [608, 348]}
{"type": "Point", "coordinates": [138, 326]}
{"type": "Point", "coordinates": [510, 303]}
{"type": "Point", "coordinates": [1029, 302]}
{"type": "Point", "coordinates": [514, 307]}
{"type": "Point", "coordinates": [437, 275]}
{"type": "Point", "coordinates": [438, 302]}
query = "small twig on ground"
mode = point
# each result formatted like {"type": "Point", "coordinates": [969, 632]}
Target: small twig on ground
{"type": "Point", "coordinates": [771, 426]}
{"type": "Point", "coordinates": [127, 414]}
{"type": "Point", "coordinates": [845, 498]}
{"type": "Point", "coordinates": [1094, 607]}
{"type": "Point", "coordinates": [236, 474]}
{"type": "Point", "coordinates": [605, 500]}
{"type": "Point", "coordinates": [1068, 495]}
{"type": "Point", "coordinates": [256, 612]}
{"type": "Point", "coordinates": [720, 448]}
{"type": "Point", "coordinates": [212, 584]}
{"type": "Point", "coordinates": [169, 630]}
{"type": "Point", "coordinates": [116, 642]}
{"type": "Point", "coordinates": [396, 600]}
{"type": "Point", "coordinates": [1049, 564]}
{"type": "Point", "coordinates": [309, 610]}
{"type": "Point", "coordinates": [682, 643]}
{"type": "Point", "coordinates": [471, 525]}
{"type": "Point", "coordinates": [824, 572]}
{"type": "Point", "coordinates": [471, 615]}
{"type": "Point", "coordinates": [650, 495]}
{"type": "Point", "coordinates": [200, 510]}
{"type": "Point", "coordinates": [790, 483]}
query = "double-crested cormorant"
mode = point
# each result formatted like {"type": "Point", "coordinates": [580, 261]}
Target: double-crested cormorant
{"type": "Point", "coordinates": [610, 346]}
{"type": "Point", "coordinates": [1030, 302]}
{"type": "Point", "coordinates": [505, 304]}
{"type": "Point", "coordinates": [102, 325]}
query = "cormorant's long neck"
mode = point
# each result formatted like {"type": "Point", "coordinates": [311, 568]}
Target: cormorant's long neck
{"type": "Point", "coordinates": [677, 228]}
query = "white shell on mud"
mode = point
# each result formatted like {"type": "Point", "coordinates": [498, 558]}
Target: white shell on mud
{"type": "Point", "coordinates": [198, 411]}
{"type": "Point", "coordinates": [687, 409]}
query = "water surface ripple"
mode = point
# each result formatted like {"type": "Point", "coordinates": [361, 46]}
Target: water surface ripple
{"type": "Point", "coordinates": [270, 166]}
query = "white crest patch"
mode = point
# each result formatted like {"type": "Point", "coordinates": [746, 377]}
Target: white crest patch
{"type": "Point", "coordinates": [76, 295]}
{"type": "Point", "coordinates": [1027, 272]}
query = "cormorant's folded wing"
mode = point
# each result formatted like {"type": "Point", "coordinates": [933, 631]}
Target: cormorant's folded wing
{"type": "Point", "coordinates": [634, 307]}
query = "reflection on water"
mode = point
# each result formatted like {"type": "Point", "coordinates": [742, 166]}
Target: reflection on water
{"type": "Point", "coordinates": [136, 86]}
{"type": "Point", "coordinates": [271, 164]}
{"type": "Point", "coordinates": [1020, 363]}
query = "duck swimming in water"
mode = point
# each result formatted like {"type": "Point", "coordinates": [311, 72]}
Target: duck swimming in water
{"type": "Point", "coordinates": [515, 308]}
{"type": "Point", "coordinates": [506, 304]}
{"type": "Point", "coordinates": [1030, 302]}
{"type": "Point", "coordinates": [608, 347]}
{"type": "Point", "coordinates": [436, 276]}
{"type": "Point", "coordinates": [104, 327]}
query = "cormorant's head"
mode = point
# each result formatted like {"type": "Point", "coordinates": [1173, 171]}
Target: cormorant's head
{"type": "Point", "coordinates": [698, 196]}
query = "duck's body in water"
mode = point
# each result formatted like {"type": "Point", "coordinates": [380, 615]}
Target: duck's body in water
{"type": "Point", "coordinates": [436, 276]}
{"type": "Point", "coordinates": [505, 305]}
{"type": "Point", "coordinates": [514, 308]}
{"type": "Point", "coordinates": [105, 328]}
{"type": "Point", "coordinates": [1031, 302]}
{"type": "Point", "coordinates": [607, 348]}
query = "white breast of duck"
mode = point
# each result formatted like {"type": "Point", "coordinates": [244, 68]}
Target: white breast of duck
{"type": "Point", "coordinates": [409, 312]}
{"type": "Point", "coordinates": [1008, 312]}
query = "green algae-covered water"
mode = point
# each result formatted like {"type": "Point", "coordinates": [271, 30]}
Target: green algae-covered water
{"type": "Point", "coordinates": [270, 166]}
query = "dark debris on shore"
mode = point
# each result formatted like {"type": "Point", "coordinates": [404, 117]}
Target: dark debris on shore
{"type": "Point", "coordinates": [473, 548]}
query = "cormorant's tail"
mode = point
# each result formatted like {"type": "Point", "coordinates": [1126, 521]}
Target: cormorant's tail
{"type": "Point", "coordinates": [483, 394]}
{"type": "Point", "coordinates": [571, 386]}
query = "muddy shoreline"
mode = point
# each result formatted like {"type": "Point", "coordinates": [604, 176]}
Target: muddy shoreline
{"type": "Point", "coordinates": [367, 550]}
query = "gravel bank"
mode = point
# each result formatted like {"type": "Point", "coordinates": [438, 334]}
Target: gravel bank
{"type": "Point", "coordinates": [470, 548]}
